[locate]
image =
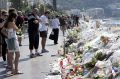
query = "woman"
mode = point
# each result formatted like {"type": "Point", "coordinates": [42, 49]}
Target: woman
{"type": "Point", "coordinates": [19, 23]}
{"type": "Point", "coordinates": [12, 42]}
{"type": "Point", "coordinates": [63, 24]}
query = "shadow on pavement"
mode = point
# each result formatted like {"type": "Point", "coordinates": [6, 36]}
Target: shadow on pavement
{"type": "Point", "coordinates": [2, 65]}
{"type": "Point", "coordinates": [25, 59]}
{"type": "Point", "coordinates": [2, 74]}
{"type": "Point", "coordinates": [50, 45]}
{"type": "Point", "coordinates": [24, 45]}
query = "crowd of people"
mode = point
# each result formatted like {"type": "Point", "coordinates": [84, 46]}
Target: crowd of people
{"type": "Point", "coordinates": [12, 27]}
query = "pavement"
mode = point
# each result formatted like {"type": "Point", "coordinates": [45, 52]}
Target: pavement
{"type": "Point", "coordinates": [35, 68]}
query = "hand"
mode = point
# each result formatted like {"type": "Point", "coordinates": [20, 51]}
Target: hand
{"type": "Point", "coordinates": [36, 21]}
{"type": "Point", "coordinates": [19, 30]}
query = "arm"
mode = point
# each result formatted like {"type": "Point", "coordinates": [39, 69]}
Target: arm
{"type": "Point", "coordinates": [44, 20]}
{"type": "Point", "coordinates": [1, 25]}
{"type": "Point", "coordinates": [58, 22]}
{"type": "Point", "coordinates": [13, 25]}
{"type": "Point", "coordinates": [36, 19]}
{"type": "Point", "coordinates": [31, 19]}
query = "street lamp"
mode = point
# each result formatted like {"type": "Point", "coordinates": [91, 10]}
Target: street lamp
{"type": "Point", "coordinates": [44, 5]}
{"type": "Point", "coordinates": [54, 4]}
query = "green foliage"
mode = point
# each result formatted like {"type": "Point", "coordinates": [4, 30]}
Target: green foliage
{"type": "Point", "coordinates": [91, 64]}
{"type": "Point", "coordinates": [20, 4]}
{"type": "Point", "coordinates": [89, 47]}
{"type": "Point", "coordinates": [100, 56]}
{"type": "Point", "coordinates": [97, 77]}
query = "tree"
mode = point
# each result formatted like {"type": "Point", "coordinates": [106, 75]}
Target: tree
{"type": "Point", "coordinates": [16, 4]}
{"type": "Point", "coordinates": [19, 4]}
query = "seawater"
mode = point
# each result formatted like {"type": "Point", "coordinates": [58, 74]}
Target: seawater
{"type": "Point", "coordinates": [113, 21]}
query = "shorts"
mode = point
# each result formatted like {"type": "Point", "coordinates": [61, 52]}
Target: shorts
{"type": "Point", "coordinates": [43, 34]}
{"type": "Point", "coordinates": [12, 45]}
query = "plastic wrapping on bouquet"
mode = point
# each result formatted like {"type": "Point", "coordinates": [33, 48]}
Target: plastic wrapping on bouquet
{"type": "Point", "coordinates": [79, 78]}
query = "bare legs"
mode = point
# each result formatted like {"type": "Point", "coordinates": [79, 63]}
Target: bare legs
{"type": "Point", "coordinates": [13, 63]}
{"type": "Point", "coordinates": [17, 56]}
{"type": "Point", "coordinates": [20, 41]}
{"type": "Point", "coordinates": [43, 42]}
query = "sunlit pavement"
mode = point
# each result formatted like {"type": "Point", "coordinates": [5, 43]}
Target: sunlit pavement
{"type": "Point", "coordinates": [35, 68]}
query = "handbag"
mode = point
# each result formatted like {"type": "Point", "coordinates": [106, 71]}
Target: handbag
{"type": "Point", "coordinates": [4, 32]}
{"type": "Point", "coordinates": [51, 35]}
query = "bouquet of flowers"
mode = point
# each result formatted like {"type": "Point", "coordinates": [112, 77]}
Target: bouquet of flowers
{"type": "Point", "coordinates": [19, 33]}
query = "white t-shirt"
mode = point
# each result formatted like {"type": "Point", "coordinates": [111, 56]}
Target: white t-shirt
{"type": "Point", "coordinates": [55, 23]}
{"type": "Point", "coordinates": [42, 25]}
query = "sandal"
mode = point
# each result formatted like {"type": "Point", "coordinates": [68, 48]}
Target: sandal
{"type": "Point", "coordinates": [16, 72]}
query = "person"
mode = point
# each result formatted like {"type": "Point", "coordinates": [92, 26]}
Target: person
{"type": "Point", "coordinates": [0, 33]}
{"type": "Point", "coordinates": [25, 23]}
{"type": "Point", "coordinates": [20, 19]}
{"type": "Point", "coordinates": [12, 10]}
{"type": "Point", "coordinates": [44, 29]}
{"type": "Point", "coordinates": [19, 23]}
{"type": "Point", "coordinates": [33, 27]}
{"type": "Point", "coordinates": [63, 24]}
{"type": "Point", "coordinates": [77, 20]}
{"type": "Point", "coordinates": [8, 67]}
{"type": "Point", "coordinates": [12, 43]}
{"type": "Point", "coordinates": [4, 45]}
{"type": "Point", "coordinates": [55, 29]}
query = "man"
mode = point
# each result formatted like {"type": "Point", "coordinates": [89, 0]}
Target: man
{"type": "Point", "coordinates": [33, 25]}
{"type": "Point", "coordinates": [4, 45]}
{"type": "Point", "coordinates": [55, 26]}
{"type": "Point", "coordinates": [44, 29]}
{"type": "Point", "coordinates": [0, 33]}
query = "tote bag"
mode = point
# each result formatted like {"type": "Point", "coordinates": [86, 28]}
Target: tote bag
{"type": "Point", "coordinates": [51, 35]}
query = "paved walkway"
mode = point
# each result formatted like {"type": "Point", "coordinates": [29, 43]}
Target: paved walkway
{"type": "Point", "coordinates": [35, 68]}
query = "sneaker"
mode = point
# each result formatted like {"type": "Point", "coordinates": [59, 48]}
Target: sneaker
{"type": "Point", "coordinates": [20, 44]}
{"type": "Point", "coordinates": [38, 54]}
{"type": "Point", "coordinates": [55, 43]}
{"type": "Point", "coordinates": [32, 55]}
{"type": "Point", "coordinates": [44, 51]}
